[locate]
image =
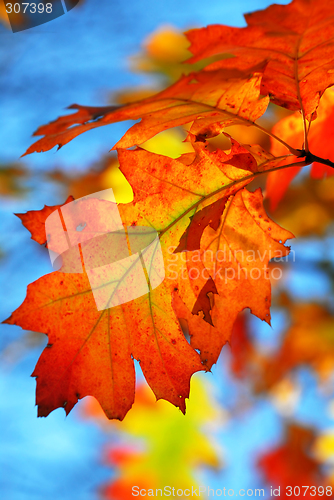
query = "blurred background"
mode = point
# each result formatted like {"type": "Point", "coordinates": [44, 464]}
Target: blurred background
{"type": "Point", "coordinates": [265, 415]}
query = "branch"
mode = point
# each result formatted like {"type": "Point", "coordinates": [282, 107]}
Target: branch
{"type": "Point", "coordinates": [310, 158]}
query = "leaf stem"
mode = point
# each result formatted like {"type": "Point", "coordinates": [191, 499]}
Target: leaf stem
{"type": "Point", "coordinates": [290, 148]}
{"type": "Point", "coordinates": [305, 146]}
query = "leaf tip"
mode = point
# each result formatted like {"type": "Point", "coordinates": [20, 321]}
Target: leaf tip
{"type": "Point", "coordinates": [7, 321]}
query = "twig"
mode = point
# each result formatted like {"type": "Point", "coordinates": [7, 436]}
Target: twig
{"type": "Point", "coordinates": [290, 148]}
{"type": "Point", "coordinates": [310, 158]}
{"type": "Point", "coordinates": [305, 145]}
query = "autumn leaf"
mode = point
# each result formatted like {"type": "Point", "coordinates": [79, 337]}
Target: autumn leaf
{"type": "Point", "coordinates": [292, 464]}
{"type": "Point", "coordinates": [191, 272]}
{"type": "Point", "coordinates": [320, 142]}
{"type": "Point", "coordinates": [207, 336]}
{"type": "Point", "coordinates": [290, 45]}
{"type": "Point", "coordinates": [236, 257]}
{"type": "Point", "coordinates": [100, 348]}
{"type": "Point", "coordinates": [34, 220]}
{"type": "Point", "coordinates": [295, 39]}
{"type": "Point", "coordinates": [210, 215]}
{"type": "Point", "coordinates": [89, 351]}
{"type": "Point", "coordinates": [212, 100]}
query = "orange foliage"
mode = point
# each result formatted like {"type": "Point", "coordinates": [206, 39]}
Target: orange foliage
{"type": "Point", "coordinates": [212, 100]}
{"type": "Point", "coordinates": [215, 235]}
{"type": "Point", "coordinates": [296, 40]}
{"type": "Point", "coordinates": [80, 364]}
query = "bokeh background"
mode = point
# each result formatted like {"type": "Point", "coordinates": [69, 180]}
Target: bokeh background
{"type": "Point", "coordinates": [268, 405]}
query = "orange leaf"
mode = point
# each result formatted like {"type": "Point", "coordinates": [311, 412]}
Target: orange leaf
{"type": "Point", "coordinates": [296, 40]}
{"type": "Point", "coordinates": [236, 257]}
{"type": "Point", "coordinates": [90, 351]}
{"type": "Point", "coordinates": [210, 215]}
{"type": "Point", "coordinates": [34, 221]}
{"type": "Point", "coordinates": [213, 100]}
